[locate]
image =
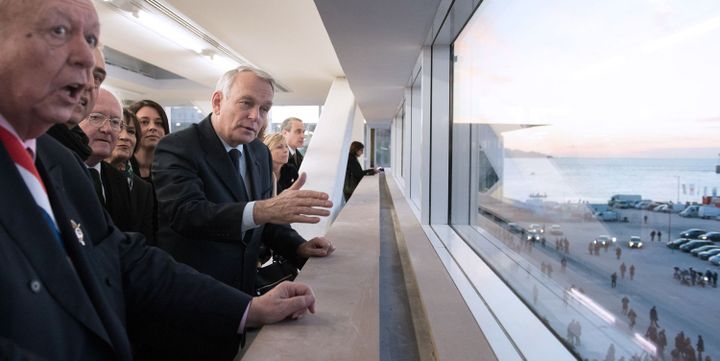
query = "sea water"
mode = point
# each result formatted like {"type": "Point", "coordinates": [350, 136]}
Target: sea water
{"type": "Point", "coordinates": [596, 180]}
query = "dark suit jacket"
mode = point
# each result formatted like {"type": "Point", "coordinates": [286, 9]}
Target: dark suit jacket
{"type": "Point", "coordinates": [200, 206]}
{"type": "Point", "coordinates": [117, 197]}
{"type": "Point", "coordinates": [288, 176]}
{"type": "Point", "coordinates": [131, 210]}
{"type": "Point", "coordinates": [142, 201]}
{"type": "Point", "coordinates": [296, 160]}
{"type": "Point", "coordinates": [200, 209]}
{"type": "Point", "coordinates": [290, 171]}
{"type": "Point", "coordinates": [59, 310]}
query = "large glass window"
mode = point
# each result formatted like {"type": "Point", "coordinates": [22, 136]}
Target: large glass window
{"type": "Point", "coordinates": [382, 147]}
{"type": "Point", "coordinates": [584, 168]}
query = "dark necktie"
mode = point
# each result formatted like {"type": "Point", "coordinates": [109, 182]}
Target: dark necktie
{"type": "Point", "coordinates": [97, 183]}
{"type": "Point", "coordinates": [235, 158]}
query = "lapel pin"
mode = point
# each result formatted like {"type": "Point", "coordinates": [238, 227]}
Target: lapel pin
{"type": "Point", "coordinates": [78, 232]}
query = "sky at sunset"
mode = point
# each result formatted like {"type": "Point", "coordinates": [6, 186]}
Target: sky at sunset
{"type": "Point", "coordinates": [605, 79]}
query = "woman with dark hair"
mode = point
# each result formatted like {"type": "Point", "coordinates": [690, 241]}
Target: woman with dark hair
{"type": "Point", "coordinates": [128, 139]}
{"type": "Point", "coordinates": [354, 172]}
{"type": "Point", "coordinates": [154, 126]}
{"type": "Point", "coordinates": [142, 195]}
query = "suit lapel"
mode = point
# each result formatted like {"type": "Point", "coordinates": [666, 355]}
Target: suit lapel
{"type": "Point", "coordinates": [218, 159]}
{"type": "Point", "coordinates": [27, 227]}
{"type": "Point", "coordinates": [111, 328]}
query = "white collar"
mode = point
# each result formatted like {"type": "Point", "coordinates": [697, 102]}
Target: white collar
{"type": "Point", "coordinates": [28, 144]}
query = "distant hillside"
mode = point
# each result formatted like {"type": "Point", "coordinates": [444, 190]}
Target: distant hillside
{"type": "Point", "coordinates": [515, 153]}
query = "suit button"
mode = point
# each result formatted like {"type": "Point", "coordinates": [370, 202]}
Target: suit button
{"type": "Point", "coordinates": [35, 286]}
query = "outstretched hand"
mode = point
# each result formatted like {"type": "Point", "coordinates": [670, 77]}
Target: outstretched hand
{"type": "Point", "coordinates": [293, 205]}
{"type": "Point", "coordinates": [288, 300]}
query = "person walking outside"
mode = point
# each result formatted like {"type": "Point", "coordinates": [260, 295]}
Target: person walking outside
{"type": "Point", "coordinates": [654, 316]}
{"type": "Point", "coordinates": [700, 347]}
{"type": "Point", "coordinates": [632, 272]}
{"type": "Point", "coordinates": [623, 268]}
{"type": "Point", "coordinates": [661, 343]}
{"type": "Point", "coordinates": [652, 235]}
{"type": "Point", "coordinates": [625, 302]}
{"type": "Point", "coordinates": [632, 317]}
{"type": "Point", "coordinates": [613, 280]}
{"type": "Point", "coordinates": [618, 252]}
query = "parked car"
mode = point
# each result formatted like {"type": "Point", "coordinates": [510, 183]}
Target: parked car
{"type": "Point", "coordinates": [621, 204]}
{"type": "Point", "coordinates": [635, 242]}
{"type": "Point", "coordinates": [709, 253]}
{"type": "Point", "coordinates": [536, 227]}
{"type": "Point", "coordinates": [608, 216]}
{"type": "Point", "coordinates": [534, 235]}
{"type": "Point", "coordinates": [690, 211]}
{"type": "Point", "coordinates": [715, 259]}
{"type": "Point", "coordinates": [556, 230]}
{"type": "Point", "coordinates": [687, 247]}
{"type": "Point", "coordinates": [604, 239]}
{"type": "Point", "coordinates": [710, 236]}
{"type": "Point", "coordinates": [692, 233]}
{"type": "Point", "coordinates": [515, 228]}
{"type": "Point", "coordinates": [677, 243]}
{"type": "Point", "coordinates": [703, 249]}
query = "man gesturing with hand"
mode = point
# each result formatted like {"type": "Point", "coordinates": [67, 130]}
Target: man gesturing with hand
{"type": "Point", "coordinates": [214, 189]}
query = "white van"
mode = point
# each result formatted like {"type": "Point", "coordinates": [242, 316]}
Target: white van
{"type": "Point", "coordinates": [690, 211]}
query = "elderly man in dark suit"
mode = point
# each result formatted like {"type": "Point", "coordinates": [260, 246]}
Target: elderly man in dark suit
{"type": "Point", "coordinates": [214, 188]}
{"type": "Point", "coordinates": [102, 126]}
{"type": "Point", "coordinates": [68, 277]}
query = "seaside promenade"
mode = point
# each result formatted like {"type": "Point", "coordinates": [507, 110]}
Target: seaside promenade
{"type": "Point", "coordinates": [690, 309]}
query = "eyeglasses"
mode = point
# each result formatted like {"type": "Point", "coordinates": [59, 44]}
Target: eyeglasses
{"type": "Point", "coordinates": [99, 119]}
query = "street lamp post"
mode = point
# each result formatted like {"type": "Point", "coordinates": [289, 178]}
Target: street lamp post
{"type": "Point", "coordinates": [671, 208]}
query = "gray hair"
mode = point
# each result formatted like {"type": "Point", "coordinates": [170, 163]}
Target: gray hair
{"type": "Point", "coordinates": [286, 124]}
{"type": "Point", "coordinates": [226, 81]}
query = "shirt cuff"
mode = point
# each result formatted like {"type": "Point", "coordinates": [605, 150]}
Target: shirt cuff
{"type": "Point", "coordinates": [248, 221]}
{"type": "Point", "coordinates": [241, 329]}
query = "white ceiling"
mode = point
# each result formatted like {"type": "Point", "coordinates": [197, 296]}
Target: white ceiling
{"type": "Point", "coordinates": [377, 43]}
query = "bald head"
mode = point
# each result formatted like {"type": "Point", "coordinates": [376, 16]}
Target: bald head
{"type": "Point", "coordinates": [45, 62]}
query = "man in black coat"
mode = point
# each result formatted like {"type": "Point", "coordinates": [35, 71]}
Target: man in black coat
{"type": "Point", "coordinates": [293, 130]}
{"type": "Point", "coordinates": [102, 127]}
{"type": "Point", "coordinates": [214, 188]}
{"type": "Point", "coordinates": [69, 277]}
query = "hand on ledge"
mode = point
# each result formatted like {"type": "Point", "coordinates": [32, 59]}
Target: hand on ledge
{"type": "Point", "coordinates": [293, 205]}
{"type": "Point", "coordinates": [316, 247]}
{"type": "Point", "coordinates": [287, 300]}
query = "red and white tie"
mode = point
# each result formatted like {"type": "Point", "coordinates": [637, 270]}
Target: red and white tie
{"type": "Point", "coordinates": [26, 167]}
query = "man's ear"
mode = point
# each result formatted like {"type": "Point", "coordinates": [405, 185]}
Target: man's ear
{"type": "Point", "coordinates": [217, 98]}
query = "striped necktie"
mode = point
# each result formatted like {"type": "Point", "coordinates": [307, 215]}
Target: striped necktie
{"type": "Point", "coordinates": [31, 177]}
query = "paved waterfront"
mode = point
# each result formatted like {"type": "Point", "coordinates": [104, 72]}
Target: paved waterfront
{"type": "Point", "coordinates": [690, 309]}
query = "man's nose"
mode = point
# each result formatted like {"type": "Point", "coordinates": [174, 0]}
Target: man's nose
{"type": "Point", "coordinates": [254, 113]}
{"type": "Point", "coordinates": [105, 128]}
{"type": "Point", "coordinates": [81, 55]}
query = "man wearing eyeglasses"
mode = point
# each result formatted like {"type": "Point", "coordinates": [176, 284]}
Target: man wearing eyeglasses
{"type": "Point", "coordinates": [102, 127]}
